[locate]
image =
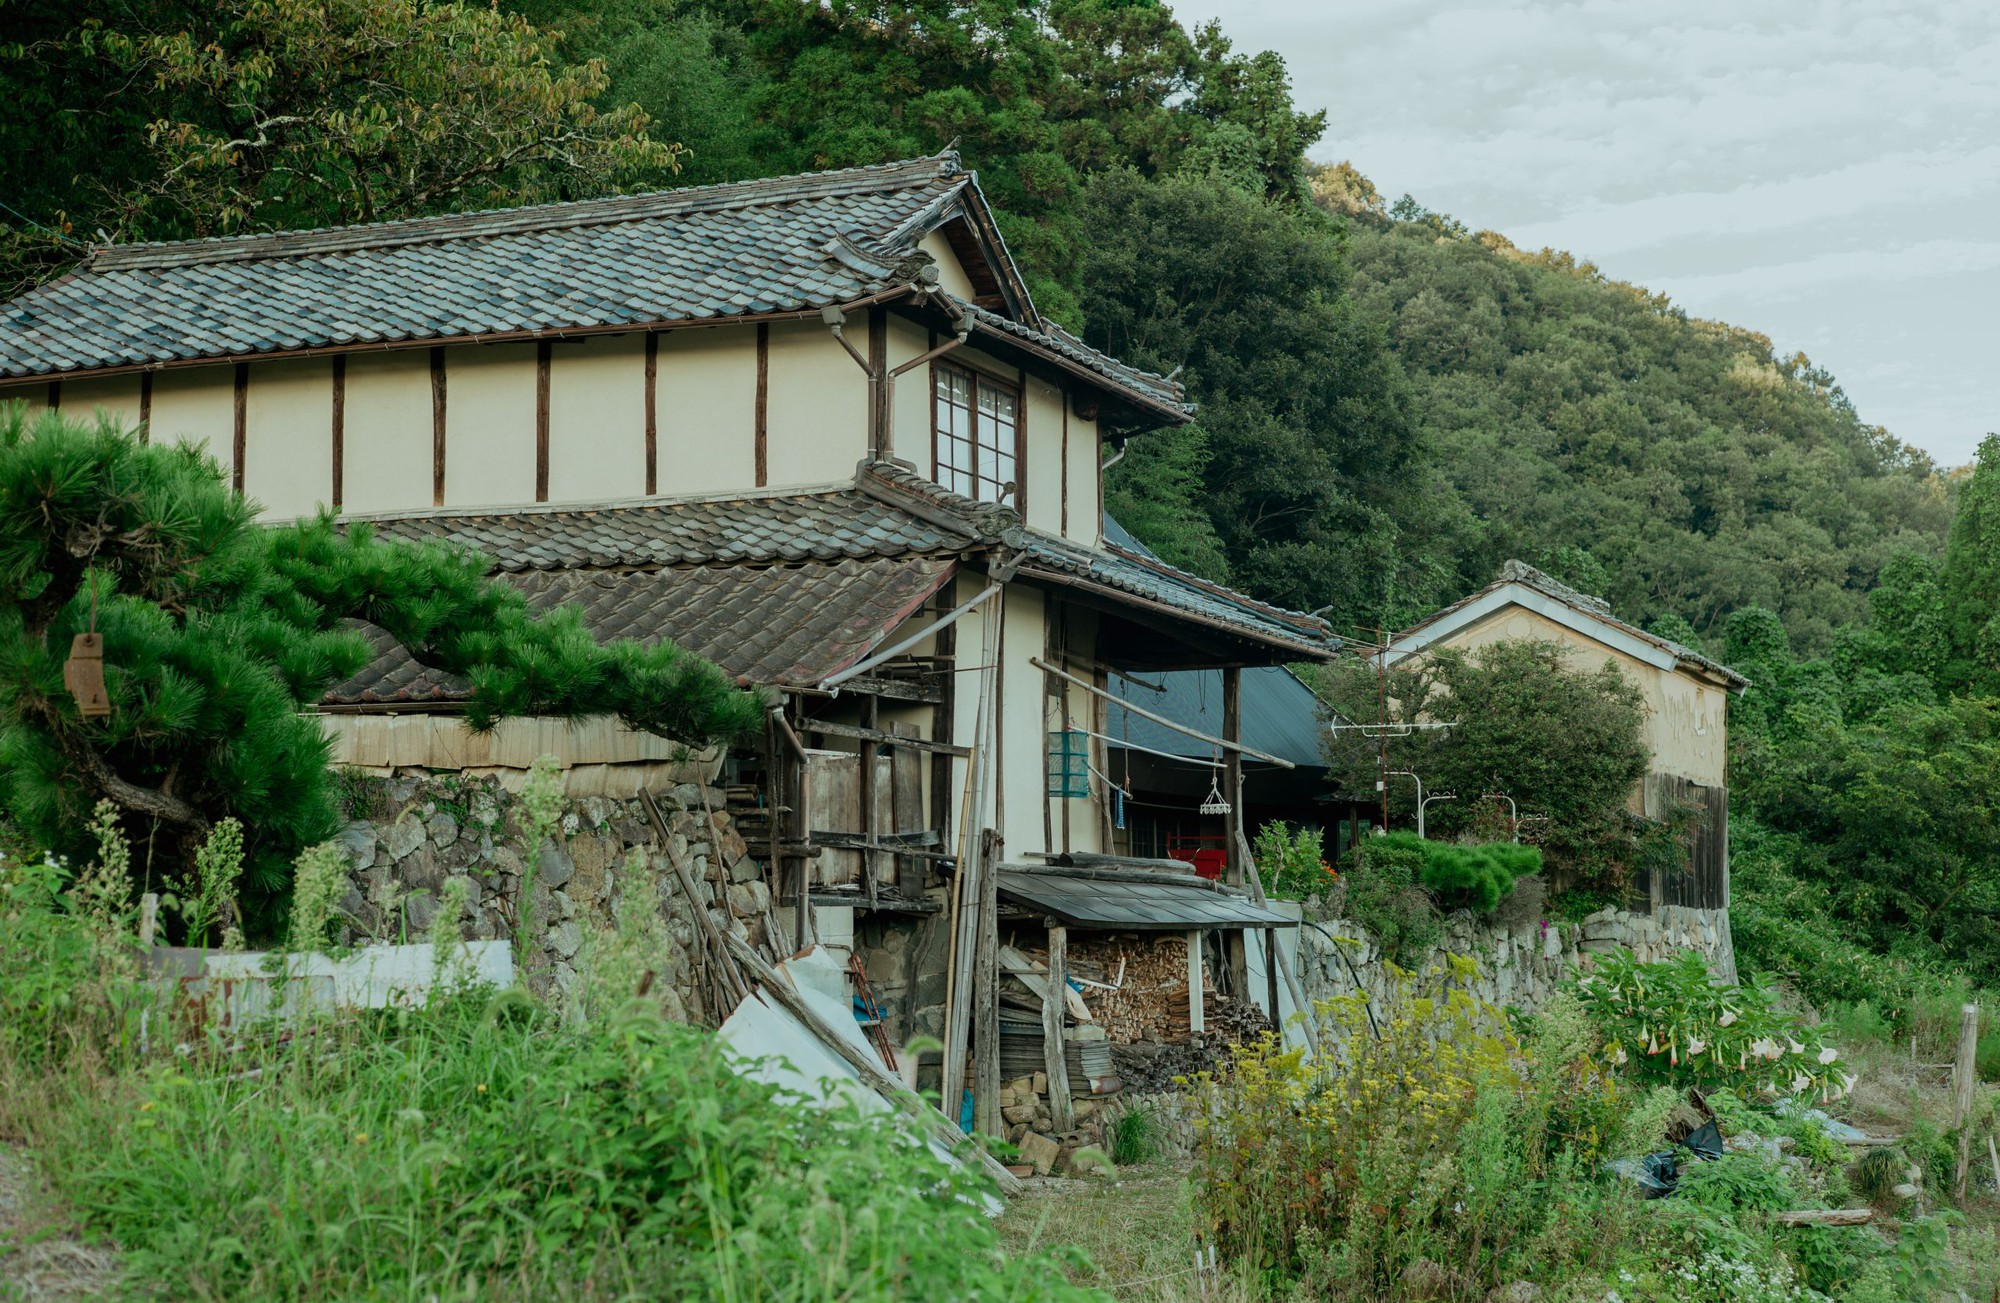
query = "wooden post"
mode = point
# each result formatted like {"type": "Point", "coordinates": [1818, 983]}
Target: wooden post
{"type": "Point", "coordinates": [1054, 1050]}
{"type": "Point", "coordinates": [1284, 964]}
{"type": "Point", "coordinates": [1271, 978]}
{"type": "Point", "coordinates": [1197, 1023]}
{"type": "Point", "coordinates": [986, 993]}
{"type": "Point", "coordinates": [870, 826]}
{"type": "Point", "coordinates": [1964, 1078]}
{"type": "Point", "coordinates": [1236, 958]}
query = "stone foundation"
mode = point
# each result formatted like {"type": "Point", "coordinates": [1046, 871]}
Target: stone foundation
{"type": "Point", "coordinates": [424, 829]}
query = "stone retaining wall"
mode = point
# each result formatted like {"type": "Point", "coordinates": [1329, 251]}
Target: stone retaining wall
{"type": "Point", "coordinates": [1522, 963]}
{"type": "Point", "coordinates": [423, 829]}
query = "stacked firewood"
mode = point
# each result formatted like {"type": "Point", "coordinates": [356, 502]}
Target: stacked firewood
{"type": "Point", "coordinates": [1149, 972]}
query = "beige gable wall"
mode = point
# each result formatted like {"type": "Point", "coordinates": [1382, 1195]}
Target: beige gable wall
{"type": "Point", "coordinates": [951, 273]}
{"type": "Point", "coordinates": [388, 432]}
{"type": "Point", "coordinates": [1686, 720]}
{"type": "Point", "coordinates": [910, 404]}
{"type": "Point", "coordinates": [816, 408]}
{"type": "Point", "coordinates": [1043, 411]}
{"type": "Point", "coordinates": [707, 400]}
{"type": "Point", "coordinates": [288, 436]}
{"type": "Point", "coordinates": [597, 418]}
{"type": "Point", "coordinates": [114, 396]}
{"type": "Point", "coordinates": [1085, 455]}
{"type": "Point", "coordinates": [489, 425]}
{"type": "Point", "coordinates": [33, 394]}
{"type": "Point", "coordinates": [197, 405]}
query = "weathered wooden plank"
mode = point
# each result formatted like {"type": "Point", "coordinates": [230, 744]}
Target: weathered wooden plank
{"type": "Point", "coordinates": [896, 740]}
{"type": "Point", "coordinates": [1055, 1061]}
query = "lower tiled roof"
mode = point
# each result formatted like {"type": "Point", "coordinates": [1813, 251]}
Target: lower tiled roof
{"type": "Point", "coordinates": [786, 625]}
{"type": "Point", "coordinates": [753, 529]}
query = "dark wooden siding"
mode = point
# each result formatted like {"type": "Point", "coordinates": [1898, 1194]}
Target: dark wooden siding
{"type": "Point", "coordinates": [1704, 884]}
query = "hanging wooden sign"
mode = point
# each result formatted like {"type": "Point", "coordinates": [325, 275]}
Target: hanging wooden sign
{"type": "Point", "coordinates": [83, 675]}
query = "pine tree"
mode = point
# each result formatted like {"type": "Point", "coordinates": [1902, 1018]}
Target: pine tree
{"type": "Point", "coordinates": [1971, 581]}
{"type": "Point", "coordinates": [218, 633]}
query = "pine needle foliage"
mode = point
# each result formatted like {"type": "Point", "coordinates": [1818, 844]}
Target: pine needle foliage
{"type": "Point", "coordinates": [219, 633]}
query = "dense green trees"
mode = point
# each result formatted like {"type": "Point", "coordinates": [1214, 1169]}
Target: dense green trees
{"type": "Point", "coordinates": [1530, 720]}
{"type": "Point", "coordinates": [217, 635]}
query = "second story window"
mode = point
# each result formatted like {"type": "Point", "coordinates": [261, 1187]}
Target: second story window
{"type": "Point", "coordinates": [975, 428]}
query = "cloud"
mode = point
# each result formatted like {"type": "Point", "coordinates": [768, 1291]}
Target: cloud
{"type": "Point", "coordinates": [1747, 159]}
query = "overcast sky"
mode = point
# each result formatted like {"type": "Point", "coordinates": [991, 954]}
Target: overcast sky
{"type": "Point", "coordinates": [1827, 173]}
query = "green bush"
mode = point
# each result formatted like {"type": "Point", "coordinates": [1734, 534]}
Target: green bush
{"type": "Point", "coordinates": [1671, 1023]}
{"type": "Point", "coordinates": [1381, 892]}
{"type": "Point", "coordinates": [1292, 861]}
{"type": "Point", "coordinates": [1469, 877]}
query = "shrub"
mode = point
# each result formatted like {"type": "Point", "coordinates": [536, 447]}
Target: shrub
{"type": "Point", "coordinates": [1670, 1023]}
{"type": "Point", "coordinates": [1292, 861]}
{"type": "Point", "coordinates": [1442, 1140]}
{"type": "Point", "coordinates": [1471, 877]}
{"type": "Point", "coordinates": [1382, 894]}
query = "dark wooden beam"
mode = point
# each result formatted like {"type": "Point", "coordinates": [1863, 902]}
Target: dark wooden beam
{"type": "Point", "coordinates": [877, 736]}
{"type": "Point", "coordinates": [239, 444]}
{"type": "Point", "coordinates": [543, 359]}
{"type": "Point", "coordinates": [763, 432]}
{"type": "Point", "coordinates": [339, 429]}
{"type": "Point", "coordinates": [437, 427]}
{"type": "Point", "coordinates": [145, 407]}
{"type": "Point", "coordinates": [652, 412]}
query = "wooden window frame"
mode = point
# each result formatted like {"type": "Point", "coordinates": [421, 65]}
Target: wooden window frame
{"type": "Point", "coordinates": [981, 379]}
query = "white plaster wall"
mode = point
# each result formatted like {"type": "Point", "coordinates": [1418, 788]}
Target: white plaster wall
{"type": "Point", "coordinates": [288, 437]}
{"type": "Point", "coordinates": [910, 405]}
{"type": "Point", "coordinates": [33, 393]}
{"type": "Point", "coordinates": [489, 425]}
{"type": "Point", "coordinates": [816, 411]}
{"type": "Point", "coordinates": [597, 419]}
{"type": "Point", "coordinates": [196, 405]}
{"type": "Point", "coordinates": [951, 273]}
{"type": "Point", "coordinates": [1085, 456]}
{"type": "Point", "coordinates": [1044, 471]}
{"type": "Point", "coordinates": [706, 401]}
{"type": "Point", "coordinates": [114, 396]}
{"type": "Point", "coordinates": [1686, 727]}
{"type": "Point", "coordinates": [387, 431]}
{"type": "Point", "coordinates": [1023, 722]}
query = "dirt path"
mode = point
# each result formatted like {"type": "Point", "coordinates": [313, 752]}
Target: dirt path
{"type": "Point", "coordinates": [40, 1257]}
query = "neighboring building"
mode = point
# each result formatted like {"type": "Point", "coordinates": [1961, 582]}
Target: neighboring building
{"type": "Point", "coordinates": [791, 424]}
{"type": "Point", "coordinates": [1686, 697]}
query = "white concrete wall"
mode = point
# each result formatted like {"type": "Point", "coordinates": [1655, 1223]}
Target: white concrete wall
{"type": "Point", "coordinates": [288, 437]}
{"type": "Point", "coordinates": [707, 402]}
{"type": "Point", "coordinates": [387, 424]}
{"type": "Point", "coordinates": [816, 408]}
{"type": "Point", "coordinates": [597, 418]}
{"type": "Point", "coordinates": [489, 425]}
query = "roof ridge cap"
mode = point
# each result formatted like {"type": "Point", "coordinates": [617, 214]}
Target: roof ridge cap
{"type": "Point", "coordinates": [604, 211]}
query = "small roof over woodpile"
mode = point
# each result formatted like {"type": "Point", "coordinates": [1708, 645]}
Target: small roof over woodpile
{"type": "Point", "coordinates": [1130, 900]}
{"type": "Point", "coordinates": [1522, 585]}
{"type": "Point", "coordinates": [762, 249]}
{"type": "Point", "coordinates": [789, 589]}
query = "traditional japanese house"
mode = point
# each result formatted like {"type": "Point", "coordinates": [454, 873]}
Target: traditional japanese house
{"type": "Point", "coordinates": [813, 427]}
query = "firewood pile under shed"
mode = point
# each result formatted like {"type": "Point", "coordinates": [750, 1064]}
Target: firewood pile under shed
{"type": "Point", "coordinates": [1115, 963]}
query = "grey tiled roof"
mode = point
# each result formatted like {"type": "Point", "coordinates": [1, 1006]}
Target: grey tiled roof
{"type": "Point", "coordinates": [783, 244]}
{"type": "Point", "coordinates": [789, 625]}
{"type": "Point", "coordinates": [783, 588]}
{"type": "Point", "coordinates": [763, 529]}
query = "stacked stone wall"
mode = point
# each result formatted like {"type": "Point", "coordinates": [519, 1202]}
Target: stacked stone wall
{"type": "Point", "coordinates": [422, 829]}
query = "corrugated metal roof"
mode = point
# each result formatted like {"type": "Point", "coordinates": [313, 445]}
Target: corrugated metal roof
{"type": "Point", "coordinates": [1099, 901]}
